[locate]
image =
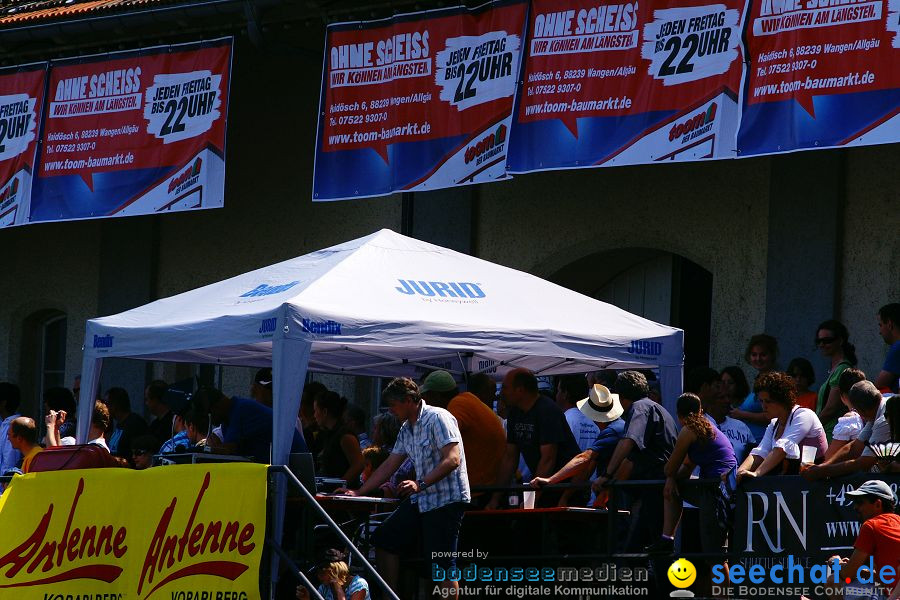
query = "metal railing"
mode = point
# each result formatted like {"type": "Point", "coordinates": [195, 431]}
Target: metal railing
{"type": "Point", "coordinates": [320, 512]}
{"type": "Point", "coordinates": [612, 509]}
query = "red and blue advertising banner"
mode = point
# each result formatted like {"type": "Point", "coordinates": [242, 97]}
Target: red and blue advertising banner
{"type": "Point", "coordinates": [822, 73]}
{"type": "Point", "coordinates": [418, 102]}
{"type": "Point", "coordinates": [134, 133]}
{"type": "Point", "coordinates": [21, 102]}
{"type": "Point", "coordinates": [626, 82]}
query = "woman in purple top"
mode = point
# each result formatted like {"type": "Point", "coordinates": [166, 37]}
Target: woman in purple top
{"type": "Point", "coordinates": [702, 445]}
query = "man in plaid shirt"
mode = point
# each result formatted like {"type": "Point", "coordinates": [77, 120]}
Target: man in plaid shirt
{"type": "Point", "coordinates": [435, 502]}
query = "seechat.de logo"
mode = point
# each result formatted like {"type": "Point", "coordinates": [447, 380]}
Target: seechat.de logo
{"type": "Point", "coordinates": [267, 290]}
{"type": "Point", "coordinates": [103, 341]}
{"type": "Point", "coordinates": [321, 327]}
{"type": "Point", "coordinates": [645, 348]}
{"type": "Point", "coordinates": [444, 289]}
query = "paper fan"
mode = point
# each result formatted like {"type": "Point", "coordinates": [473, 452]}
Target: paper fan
{"type": "Point", "coordinates": [890, 451]}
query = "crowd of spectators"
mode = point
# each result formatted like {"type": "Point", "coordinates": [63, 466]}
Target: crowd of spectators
{"type": "Point", "coordinates": [591, 429]}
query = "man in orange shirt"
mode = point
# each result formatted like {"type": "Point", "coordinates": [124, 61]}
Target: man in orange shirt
{"type": "Point", "coordinates": [23, 436]}
{"type": "Point", "coordinates": [879, 538]}
{"type": "Point", "coordinates": [482, 432]}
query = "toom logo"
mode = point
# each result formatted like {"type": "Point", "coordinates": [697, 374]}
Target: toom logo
{"type": "Point", "coordinates": [186, 175]}
{"type": "Point", "coordinates": [267, 290]}
{"type": "Point", "coordinates": [323, 327]}
{"type": "Point", "coordinates": [645, 348]}
{"type": "Point", "coordinates": [694, 123]}
{"type": "Point", "coordinates": [103, 341]}
{"type": "Point", "coordinates": [490, 145]}
{"type": "Point", "coordinates": [268, 325]}
{"type": "Point", "coordinates": [444, 289]}
{"type": "Point", "coordinates": [10, 191]}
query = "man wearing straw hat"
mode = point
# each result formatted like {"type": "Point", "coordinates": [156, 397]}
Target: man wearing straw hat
{"type": "Point", "coordinates": [605, 410]}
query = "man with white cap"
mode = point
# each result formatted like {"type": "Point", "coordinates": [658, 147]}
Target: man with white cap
{"type": "Point", "coordinates": [605, 410]}
{"type": "Point", "coordinates": [261, 387]}
{"type": "Point", "coordinates": [879, 538]}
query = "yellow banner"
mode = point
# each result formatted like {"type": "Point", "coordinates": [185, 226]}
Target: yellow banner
{"type": "Point", "coordinates": [185, 532]}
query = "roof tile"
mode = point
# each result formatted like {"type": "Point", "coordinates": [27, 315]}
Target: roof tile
{"type": "Point", "coordinates": [40, 10]}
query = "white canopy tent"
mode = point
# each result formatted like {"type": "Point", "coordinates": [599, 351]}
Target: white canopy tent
{"type": "Point", "coordinates": [384, 304]}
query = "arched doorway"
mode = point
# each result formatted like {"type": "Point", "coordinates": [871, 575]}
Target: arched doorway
{"type": "Point", "coordinates": [661, 286]}
{"type": "Point", "coordinates": [43, 353]}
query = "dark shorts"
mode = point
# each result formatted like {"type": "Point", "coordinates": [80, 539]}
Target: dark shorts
{"type": "Point", "coordinates": [703, 497]}
{"type": "Point", "coordinates": [438, 531]}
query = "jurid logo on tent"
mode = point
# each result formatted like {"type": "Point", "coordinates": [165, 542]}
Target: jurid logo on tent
{"type": "Point", "coordinates": [103, 341]}
{"type": "Point", "coordinates": [268, 290]}
{"type": "Point", "coordinates": [440, 289]}
{"type": "Point", "coordinates": [267, 326]}
{"type": "Point", "coordinates": [645, 348]}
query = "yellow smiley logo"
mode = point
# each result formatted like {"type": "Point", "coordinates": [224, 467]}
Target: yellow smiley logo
{"type": "Point", "coordinates": [682, 573]}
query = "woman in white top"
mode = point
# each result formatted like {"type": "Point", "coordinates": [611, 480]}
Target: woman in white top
{"type": "Point", "coordinates": [848, 426]}
{"type": "Point", "coordinates": [791, 427]}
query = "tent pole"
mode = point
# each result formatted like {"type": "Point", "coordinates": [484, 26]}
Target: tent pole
{"type": "Point", "coordinates": [90, 379]}
{"type": "Point", "coordinates": [290, 360]}
{"type": "Point", "coordinates": [670, 386]}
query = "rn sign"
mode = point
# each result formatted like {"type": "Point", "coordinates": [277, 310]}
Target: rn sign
{"type": "Point", "coordinates": [781, 516]}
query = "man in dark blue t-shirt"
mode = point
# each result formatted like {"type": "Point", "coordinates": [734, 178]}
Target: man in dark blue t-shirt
{"type": "Point", "coordinates": [537, 429]}
{"type": "Point", "coordinates": [889, 328]}
{"type": "Point", "coordinates": [246, 425]}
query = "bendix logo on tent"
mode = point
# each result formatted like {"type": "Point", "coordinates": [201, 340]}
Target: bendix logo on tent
{"type": "Point", "coordinates": [321, 327]}
{"type": "Point", "coordinates": [442, 289]}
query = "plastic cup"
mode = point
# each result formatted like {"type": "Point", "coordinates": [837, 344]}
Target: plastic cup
{"type": "Point", "coordinates": [528, 500]}
{"type": "Point", "coordinates": [808, 455]}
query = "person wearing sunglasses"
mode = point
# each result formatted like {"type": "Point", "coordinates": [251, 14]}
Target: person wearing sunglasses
{"type": "Point", "coordinates": [833, 341]}
{"type": "Point", "coordinates": [143, 447]}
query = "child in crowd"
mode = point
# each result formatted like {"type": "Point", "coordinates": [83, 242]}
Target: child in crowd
{"type": "Point", "coordinates": [801, 371]}
{"type": "Point", "coordinates": [373, 457]}
{"type": "Point", "coordinates": [335, 581]}
{"type": "Point", "coordinates": [850, 424]}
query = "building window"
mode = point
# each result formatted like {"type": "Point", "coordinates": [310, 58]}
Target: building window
{"type": "Point", "coordinates": [53, 353]}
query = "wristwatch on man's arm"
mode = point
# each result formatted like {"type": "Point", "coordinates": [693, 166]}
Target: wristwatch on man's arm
{"type": "Point", "coordinates": [422, 485]}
